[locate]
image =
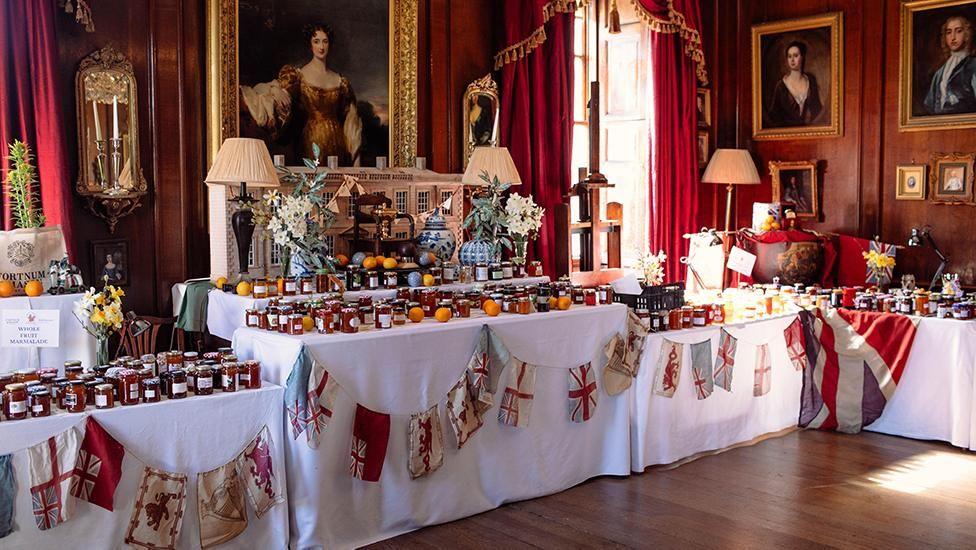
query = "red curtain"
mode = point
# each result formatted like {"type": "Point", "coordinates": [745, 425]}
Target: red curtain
{"type": "Point", "coordinates": [676, 67]}
{"type": "Point", "coordinates": [537, 108]}
{"type": "Point", "coordinates": [29, 108]}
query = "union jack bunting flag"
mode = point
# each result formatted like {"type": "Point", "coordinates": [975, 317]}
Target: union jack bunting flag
{"type": "Point", "coordinates": [873, 277]}
{"type": "Point", "coordinates": [518, 395]}
{"type": "Point", "coordinates": [725, 361]}
{"type": "Point", "coordinates": [582, 393]}
{"type": "Point", "coordinates": [668, 368]}
{"type": "Point", "coordinates": [701, 368]}
{"type": "Point", "coordinates": [856, 362]}
{"type": "Point", "coordinates": [764, 371]}
{"type": "Point", "coordinates": [52, 465]}
{"type": "Point", "coordinates": [795, 347]}
{"type": "Point", "coordinates": [370, 436]}
{"type": "Point", "coordinates": [99, 467]}
{"type": "Point", "coordinates": [309, 397]}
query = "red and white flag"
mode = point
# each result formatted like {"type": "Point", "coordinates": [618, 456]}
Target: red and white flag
{"type": "Point", "coordinates": [259, 471]}
{"type": "Point", "coordinates": [795, 344]}
{"type": "Point", "coordinates": [220, 505]}
{"type": "Point", "coordinates": [701, 368]}
{"type": "Point", "coordinates": [763, 372]}
{"type": "Point", "coordinates": [158, 513]}
{"type": "Point", "coordinates": [426, 443]}
{"type": "Point", "coordinates": [99, 467]}
{"type": "Point", "coordinates": [322, 389]}
{"type": "Point", "coordinates": [52, 465]}
{"type": "Point", "coordinates": [518, 395]}
{"type": "Point", "coordinates": [668, 368]}
{"type": "Point", "coordinates": [370, 436]}
{"type": "Point", "coordinates": [582, 393]}
{"type": "Point", "coordinates": [479, 375]}
{"type": "Point", "coordinates": [725, 361]}
{"type": "Point", "coordinates": [856, 359]}
{"type": "Point", "coordinates": [463, 411]}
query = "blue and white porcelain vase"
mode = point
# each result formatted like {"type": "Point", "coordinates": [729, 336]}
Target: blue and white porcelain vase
{"type": "Point", "coordinates": [436, 237]}
{"type": "Point", "coordinates": [478, 251]}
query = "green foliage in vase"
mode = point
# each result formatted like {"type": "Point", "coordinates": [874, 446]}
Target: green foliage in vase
{"type": "Point", "coordinates": [486, 220]}
{"type": "Point", "coordinates": [21, 186]}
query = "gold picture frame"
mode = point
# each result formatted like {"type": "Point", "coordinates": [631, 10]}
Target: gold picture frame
{"type": "Point", "coordinates": [944, 178]}
{"type": "Point", "coordinates": [480, 96]}
{"type": "Point", "coordinates": [911, 182]}
{"type": "Point", "coordinates": [764, 124]}
{"type": "Point", "coordinates": [703, 107]}
{"type": "Point", "coordinates": [223, 85]}
{"type": "Point", "coordinates": [803, 194]}
{"type": "Point", "coordinates": [702, 148]}
{"type": "Point", "coordinates": [926, 12]}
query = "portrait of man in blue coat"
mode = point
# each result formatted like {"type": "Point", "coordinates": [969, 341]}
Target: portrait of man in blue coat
{"type": "Point", "coordinates": [953, 86]}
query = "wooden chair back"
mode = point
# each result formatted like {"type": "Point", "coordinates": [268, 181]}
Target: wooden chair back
{"type": "Point", "coordinates": [145, 342]}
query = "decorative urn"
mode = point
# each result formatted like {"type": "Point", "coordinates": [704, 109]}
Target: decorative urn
{"type": "Point", "coordinates": [436, 237]}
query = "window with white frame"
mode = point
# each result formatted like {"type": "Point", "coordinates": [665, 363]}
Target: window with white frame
{"type": "Point", "coordinates": [444, 196]}
{"type": "Point", "coordinates": [423, 201]}
{"type": "Point", "coordinates": [330, 244]}
{"type": "Point", "coordinates": [251, 261]}
{"type": "Point", "coordinates": [275, 253]}
{"type": "Point", "coordinates": [400, 200]}
{"type": "Point", "coordinates": [351, 211]}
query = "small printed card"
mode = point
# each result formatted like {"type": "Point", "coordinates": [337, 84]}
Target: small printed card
{"type": "Point", "coordinates": [741, 261]}
{"type": "Point", "coordinates": [25, 328]}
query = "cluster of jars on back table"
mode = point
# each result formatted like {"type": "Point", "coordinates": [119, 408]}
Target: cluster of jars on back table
{"type": "Point", "coordinates": [330, 314]}
{"type": "Point", "coordinates": [124, 382]}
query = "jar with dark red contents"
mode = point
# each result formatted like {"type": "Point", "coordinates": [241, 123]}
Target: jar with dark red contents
{"type": "Point", "coordinates": [403, 293]}
{"type": "Point", "coordinates": [495, 272]}
{"type": "Point", "coordinates": [390, 279]}
{"type": "Point", "coordinates": [365, 316]}
{"type": "Point", "coordinates": [438, 274]}
{"type": "Point", "coordinates": [577, 294]}
{"type": "Point", "coordinates": [73, 372]}
{"type": "Point", "coordinates": [354, 278]}
{"type": "Point", "coordinates": [289, 287]}
{"type": "Point", "coordinates": [372, 280]}
{"type": "Point", "coordinates": [24, 376]}
{"type": "Point", "coordinates": [399, 314]}
{"type": "Point", "coordinates": [284, 315]}
{"type": "Point", "coordinates": [152, 392]}
{"type": "Point", "coordinates": [605, 294]}
{"type": "Point", "coordinates": [229, 358]}
{"type": "Point", "coordinates": [251, 318]}
{"type": "Point", "coordinates": [324, 323]}
{"type": "Point", "coordinates": [321, 281]}
{"type": "Point", "coordinates": [217, 376]}
{"type": "Point", "coordinates": [104, 396]}
{"type": "Point", "coordinates": [90, 389]}
{"type": "Point", "coordinates": [295, 325]}
{"type": "Point", "coordinates": [384, 316]}
{"type": "Point", "coordinates": [74, 397]}
{"type": "Point", "coordinates": [272, 313]}
{"type": "Point", "coordinates": [252, 369]}
{"type": "Point", "coordinates": [481, 272]}
{"type": "Point", "coordinates": [309, 285]}
{"type": "Point", "coordinates": [15, 402]}
{"type": "Point", "coordinates": [164, 381]}
{"type": "Point", "coordinates": [177, 385]}
{"type": "Point", "coordinates": [191, 380]}
{"type": "Point", "coordinates": [228, 377]}
{"type": "Point", "coordinates": [718, 314]}
{"type": "Point", "coordinates": [507, 272]}
{"type": "Point", "coordinates": [589, 297]}
{"type": "Point", "coordinates": [687, 320]}
{"type": "Point", "coordinates": [698, 317]}
{"type": "Point", "coordinates": [350, 320]}
{"type": "Point", "coordinates": [535, 269]}
{"type": "Point", "coordinates": [462, 308]}
{"type": "Point", "coordinates": [204, 380]}
{"type": "Point", "coordinates": [428, 301]}
{"type": "Point", "coordinates": [40, 403]}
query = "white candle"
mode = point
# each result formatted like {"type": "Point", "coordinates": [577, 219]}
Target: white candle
{"type": "Point", "coordinates": [115, 117]}
{"type": "Point", "coordinates": [98, 123]}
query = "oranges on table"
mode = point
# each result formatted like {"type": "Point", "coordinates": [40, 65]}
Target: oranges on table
{"type": "Point", "coordinates": [369, 262]}
{"type": "Point", "coordinates": [6, 289]}
{"type": "Point", "coordinates": [389, 263]}
{"type": "Point", "coordinates": [308, 323]}
{"type": "Point", "coordinates": [342, 259]}
{"type": "Point", "coordinates": [243, 288]}
{"type": "Point", "coordinates": [428, 279]}
{"type": "Point", "coordinates": [220, 282]}
{"type": "Point", "coordinates": [553, 303]}
{"type": "Point", "coordinates": [492, 308]}
{"type": "Point", "coordinates": [415, 315]}
{"type": "Point", "coordinates": [443, 314]}
{"type": "Point", "coordinates": [564, 302]}
{"type": "Point", "coordinates": [379, 259]}
{"type": "Point", "coordinates": [33, 288]}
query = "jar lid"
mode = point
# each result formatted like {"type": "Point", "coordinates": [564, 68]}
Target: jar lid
{"type": "Point", "coordinates": [25, 371]}
{"type": "Point", "coordinates": [77, 382]}
{"type": "Point", "coordinates": [72, 363]}
{"type": "Point", "coordinates": [149, 382]}
{"type": "Point", "coordinates": [73, 368]}
{"type": "Point", "coordinates": [190, 354]}
{"type": "Point", "coordinates": [40, 393]}
{"type": "Point", "coordinates": [15, 387]}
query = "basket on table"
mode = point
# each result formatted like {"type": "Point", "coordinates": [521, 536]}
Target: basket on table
{"type": "Point", "coordinates": [655, 298]}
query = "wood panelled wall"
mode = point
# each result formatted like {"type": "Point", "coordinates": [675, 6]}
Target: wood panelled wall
{"type": "Point", "coordinates": [858, 168]}
{"type": "Point", "coordinates": [166, 42]}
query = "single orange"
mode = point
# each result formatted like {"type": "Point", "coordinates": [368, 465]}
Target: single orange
{"type": "Point", "coordinates": [307, 323]}
{"type": "Point", "coordinates": [443, 314]}
{"type": "Point", "coordinates": [428, 279]}
{"type": "Point", "coordinates": [33, 288]}
{"type": "Point", "coordinates": [243, 288]}
{"type": "Point", "coordinates": [342, 259]}
{"type": "Point", "coordinates": [564, 302]}
{"type": "Point", "coordinates": [369, 262]}
{"type": "Point", "coordinates": [553, 303]}
{"type": "Point", "coordinates": [389, 263]}
{"type": "Point", "coordinates": [492, 308]}
{"type": "Point", "coordinates": [415, 315]}
{"type": "Point", "coordinates": [6, 289]}
{"type": "Point", "coordinates": [379, 259]}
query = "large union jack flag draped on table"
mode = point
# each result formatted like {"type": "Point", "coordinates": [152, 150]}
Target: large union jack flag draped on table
{"type": "Point", "coordinates": [52, 464]}
{"type": "Point", "coordinates": [856, 360]}
{"type": "Point", "coordinates": [725, 360]}
{"type": "Point", "coordinates": [309, 398]}
{"type": "Point", "coordinates": [582, 393]}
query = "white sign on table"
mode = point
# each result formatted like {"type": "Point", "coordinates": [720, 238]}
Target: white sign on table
{"type": "Point", "coordinates": [26, 328]}
{"type": "Point", "coordinates": [741, 261]}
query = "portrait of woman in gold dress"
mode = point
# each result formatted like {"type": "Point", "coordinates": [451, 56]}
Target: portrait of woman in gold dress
{"type": "Point", "coordinates": [313, 96]}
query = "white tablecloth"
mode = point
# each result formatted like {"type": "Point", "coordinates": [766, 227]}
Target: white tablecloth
{"type": "Point", "coordinates": [192, 435]}
{"type": "Point", "coordinates": [408, 369]}
{"type": "Point", "coordinates": [669, 429]}
{"type": "Point", "coordinates": [935, 397]}
{"type": "Point", "coordinates": [75, 342]}
{"type": "Point", "coordinates": [225, 311]}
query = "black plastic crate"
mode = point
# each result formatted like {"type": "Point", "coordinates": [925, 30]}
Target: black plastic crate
{"type": "Point", "coordinates": [655, 298]}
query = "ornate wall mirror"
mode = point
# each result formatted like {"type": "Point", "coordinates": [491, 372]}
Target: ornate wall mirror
{"type": "Point", "coordinates": [109, 173]}
{"type": "Point", "coordinates": [480, 115]}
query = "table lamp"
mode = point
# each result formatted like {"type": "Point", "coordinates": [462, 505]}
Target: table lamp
{"type": "Point", "coordinates": [919, 238]}
{"type": "Point", "coordinates": [496, 161]}
{"type": "Point", "coordinates": [243, 161]}
{"type": "Point", "coordinates": [731, 167]}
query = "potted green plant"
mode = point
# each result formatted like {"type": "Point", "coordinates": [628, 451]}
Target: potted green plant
{"type": "Point", "coordinates": [487, 223]}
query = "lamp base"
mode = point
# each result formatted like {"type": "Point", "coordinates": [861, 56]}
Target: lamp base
{"type": "Point", "coordinates": [243, 224]}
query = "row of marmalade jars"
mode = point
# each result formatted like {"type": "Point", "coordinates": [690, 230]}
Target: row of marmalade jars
{"type": "Point", "coordinates": [685, 317]}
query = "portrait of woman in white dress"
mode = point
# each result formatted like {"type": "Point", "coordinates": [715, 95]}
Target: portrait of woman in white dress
{"type": "Point", "coordinates": [796, 97]}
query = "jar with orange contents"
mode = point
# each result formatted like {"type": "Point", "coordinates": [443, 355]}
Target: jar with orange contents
{"type": "Point", "coordinates": [350, 320]}
{"type": "Point", "coordinates": [260, 289]}
{"type": "Point", "coordinates": [15, 401]}
{"type": "Point", "coordinates": [74, 397]}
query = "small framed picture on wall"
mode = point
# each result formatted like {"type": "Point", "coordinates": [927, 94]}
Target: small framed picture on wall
{"type": "Point", "coordinates": [911, 182]}
{"type": "Point", "coordinates": [703, 107]}
{"type": "Point", "coordinates": [702, 148]}
{"type": "Point", "coordinates": [110, 262]}
{"type": "Point", "coordinates": [951, 180]}
{"type": "Point", "coordinates": [796, 183]}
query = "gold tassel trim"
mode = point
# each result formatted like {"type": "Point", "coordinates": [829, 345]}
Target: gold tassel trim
{"type": "Point", "coordinates": [524, 47]}
{"type": "Point", "coordinates": [675, 24]}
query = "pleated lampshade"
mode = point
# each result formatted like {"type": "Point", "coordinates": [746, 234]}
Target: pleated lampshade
{"type": "Point", "coordinates": [497, 161]}
{"type": "Point", "coordinates": [731, 166]}
{"type": "Point", "coordinates": [243, 160]}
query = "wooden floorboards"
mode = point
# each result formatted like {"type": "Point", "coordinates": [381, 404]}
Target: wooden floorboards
{"type": "Point", "coordinates": [803, 490]}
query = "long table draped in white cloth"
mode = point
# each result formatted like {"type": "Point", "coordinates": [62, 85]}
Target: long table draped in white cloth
{"type": "Point", "coordinates": [225, 311]}
{"type": "Point", "coordinates": [189, 436]}
{"type": "Point", "coordinates": [75, 343]}
{"type": "Point", "coordinates": [935, 398]}
{"type": "Point", "coordinates": [407, 370]}
{"type": "Point", "coordinates": [669, 429]}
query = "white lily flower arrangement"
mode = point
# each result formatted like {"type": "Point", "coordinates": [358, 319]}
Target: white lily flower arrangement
{"type": "Point", "coordinates": [652, 266]}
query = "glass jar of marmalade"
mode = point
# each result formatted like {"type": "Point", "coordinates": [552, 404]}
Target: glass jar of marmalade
{"type": "Point", "coordinates": [372, 280]}
{"type": "Point", "coordinates": [177, 388]}
{"type": "Point", "coordinates": [308, 285]}
{"type": "Point", "coordinates": [74, 397]}
{"type": "Point", "coordinates": [104, 396]}
{"type": "Point", "coordinates": [152, 391]}
{"type": "Point", "coordinates": [40, 403]}
{"type": "Point", "coordinates": [462, 308]}
{"type": "Point", "coordinates": [589, 296]}
{"type": "Point", "coordinates": [204, 380]}
{"type": "Point", "coordinates": [698, 317]}
{"type": "Point", "coordinates": [605, 294]}
{"type": "Point", "coordinates": [253, 370]}
{"type": "Point", "coordinates": [228, 377]}
{"type": "Point", "coordinates": [495, 271]}
{"type": "Point", "coordinates": [522, 305]}
{"type": "Point", "coordinates": [428, 301]}
{"type": "Point", "coordinates": [129, 387]}
{"type": "Point", "coordinates": [399, 314]}
{"type": "Point", "coordinates": [365, 316]}
{"type": "Point", "coordinates": [260, 289]}
{"type": "Point", "coordinates": [26, 375]}
{"type": "Point", "coordinates": [390, 279]}
{"type": "Point", "coordinates": [174, 360]}
{"type": "Point", "coordinates": [449, 272]}
{"type": "Point", "coordinates": [481, 272]}
{"type": "Point", "coordinates": [350, 320]}
{"type": "Point", "coordinates": [290, 287]}
{"type": "Point", "coordinates": [384, 316]}
{"type": "Point", "coordinates": [507, 272]}
{"type": "Point", "coordinates": [251, 318]}
{"type": "Point", "coordinates": [324, 323]}
{"type": "Point", "coordinates": [438, 274]}
{"type": "Point", "coordinates": [295, 324]}
{"type": "Point", "coordinates": [15, 401]}
{"type": "Point", "coordinates": [354, 278]}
